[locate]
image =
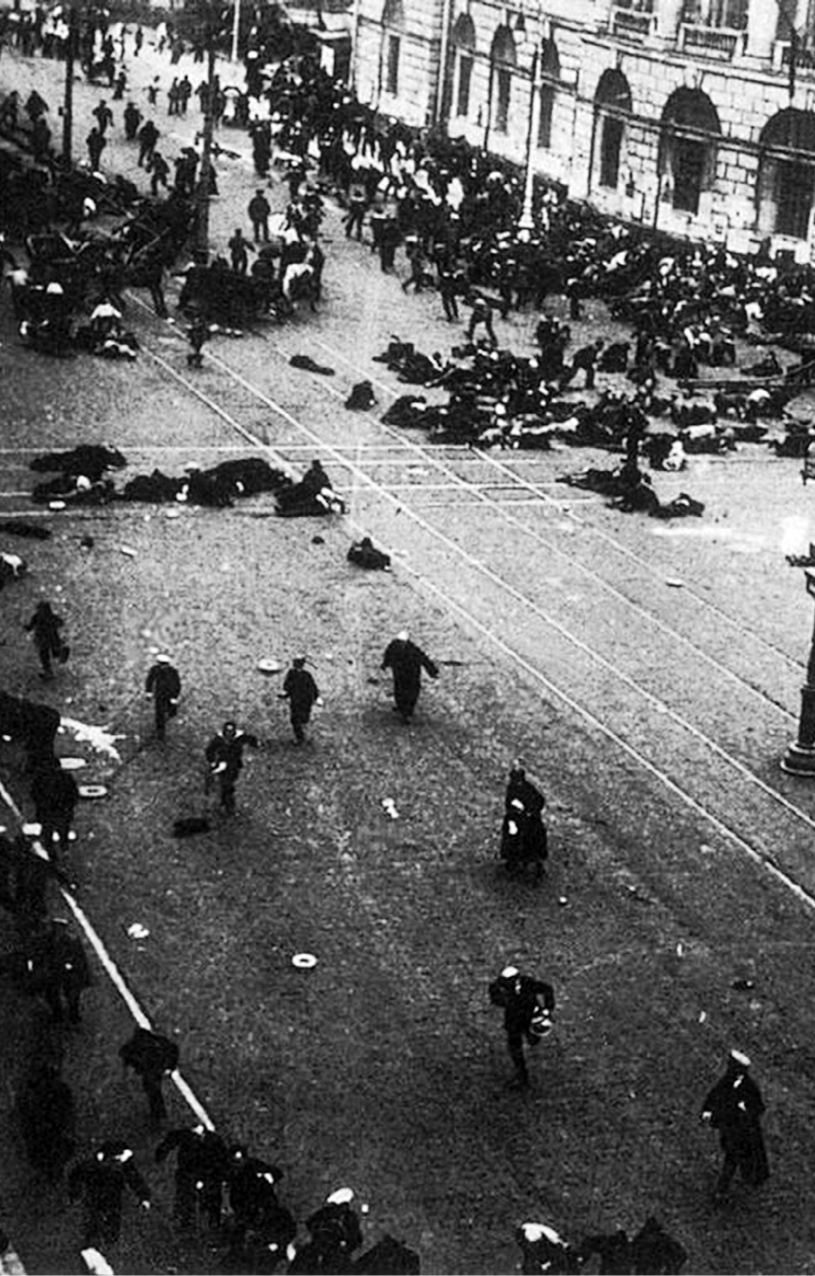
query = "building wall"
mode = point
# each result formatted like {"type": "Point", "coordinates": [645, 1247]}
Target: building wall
{"type": "Point", "coordinates": [745, 90]}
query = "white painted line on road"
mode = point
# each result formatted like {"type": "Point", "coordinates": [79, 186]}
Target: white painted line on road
{"type": "Point", "coordinates": [113, 972]}
{"type": "Point", "coordinates": [494, 638]}
{"type": "Point", "coordinates": [452, 546]}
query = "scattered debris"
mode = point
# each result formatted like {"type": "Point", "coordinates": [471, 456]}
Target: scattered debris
{"type": "Point", "coordinates": [92, 791]}
{"type": "Point", "coordinates": [137, 931]}
{"type": "Point", "coordinates": [269, 666]}
{"type": "Point", "coordinates": [389, 806]}
{"type": "Point", "coordinates": [100, 739]}
{"type": "Point", "coordinates": [128, 551]}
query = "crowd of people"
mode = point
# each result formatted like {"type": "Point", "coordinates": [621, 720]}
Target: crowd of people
{"type": "Point", "coordinates": [455, 213]}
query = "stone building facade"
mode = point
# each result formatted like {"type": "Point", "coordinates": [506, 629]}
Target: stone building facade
{"type": "Point", "coordinates": [693, 116]}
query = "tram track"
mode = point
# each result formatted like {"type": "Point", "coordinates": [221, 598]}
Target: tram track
{"type": "Point", "coordinates": [711, 777]}
{"type": "Point", "coordinates": [565, 646]}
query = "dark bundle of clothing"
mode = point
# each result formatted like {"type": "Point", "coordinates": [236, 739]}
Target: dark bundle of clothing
{"type": "Point", "coordinates": [15, 527]}
{"type": "Point", "coordinates": [90, 459]}
{"type": "Point", "coordinates": [364, 553]}
{"type": "Point", "coordinates": [361, 398]}
{"type": "Point", "coordinates": [216, 487]}
{"type": "Point", "coordinates": [407, 410]}
{"type": "Point", "coordinates": [74, 489]}
{"type": "Point", "coordinates": [307, 364]}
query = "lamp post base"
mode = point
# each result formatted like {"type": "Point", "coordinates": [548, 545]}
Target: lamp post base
{"type": "Point", "coordinates": [799, 760]}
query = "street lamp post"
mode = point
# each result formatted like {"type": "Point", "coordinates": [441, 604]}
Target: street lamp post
{"type": "Point", "coordinates": [205, 171]}
{"type": "Point", "coordinates": [527, 220]}
{"type": "Point", "coordinates": [236, 26]}
{"type": "Point", "coordinates": [68, 101]}
{"type": "Point", "coordinates": [800, 756]}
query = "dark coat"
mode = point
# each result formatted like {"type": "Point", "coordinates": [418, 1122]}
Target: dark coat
{"type": "Point", "coordinates": [101, 1183]}
{"type": "Point", "coordinates": [149, 1054]}
{"type": "Point", "coordinates": [523, 833]}
{"type": "Point", "coordinates": [230, 752]}
{"type": "Point", "coordinates": [54, 792]}
{"type": "Point", "coordinates": [302, 693]}
{"type": "Point", "coordinates": [520, 998]}
{"type": "Point", "coordinates": [202, 1155]}
{"type": "Point", "coordinates": [45, 626]}
{"type": "Point", "coordinates": [407, 661]}
{"type": "Point", "coordinates": [164, 682]}
{"type": "Point", "coordinates": [336, 1230]}
{"type": "Point", "coordinates": [735, 1107]}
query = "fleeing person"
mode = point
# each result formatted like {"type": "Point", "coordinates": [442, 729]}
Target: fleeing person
{"type": "Point", "coordinates": [254, 1204]}
{"type": "Point", "coordinates": [55, 794]}
{"type": "Point", "coordinates": [527, 1004]}
{"type": "Point", "coordinates": [735, 1107]}
{"type": "Point", "coordinates": [481, 317]}
{"type": "Point", "coordinates": [44, 627]}
{"type": "Point", "coordinates": [406, 661]}
{"type": "Point", "coordinates": [302, 693]}
{"type": "Point", "coordinates": [335, 1233]}
{"type": "Point", "coordinates": [151, 1056]}
{"type": "Point", "coordinates": [523, 832]}
{"type": "Point", "coordinates": [57, 968]}
{"type": "Point", "coordinates": [239, 252]}
{"type": "Point", "coordinates": [201, 1170]}
{"type": "Point", "coordinates": [99, 1182]}
{"type": "Point", "coordinates": [224, 754]}
{"type": "Point", "coordinates": [259, 210]}
{"type": "Point", "coordinates": [163, 683]}
{"type": "Point", "coordinates": [197, 335]}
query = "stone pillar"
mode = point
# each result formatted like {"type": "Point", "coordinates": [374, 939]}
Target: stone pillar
{"type": "Point", "coordinates": [762, 16]}
{"type": "Point", "coordinates": [669, 15]}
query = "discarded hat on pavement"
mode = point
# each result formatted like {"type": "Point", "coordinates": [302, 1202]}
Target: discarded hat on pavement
{"type": "Point", "coordinates": [342, 1196]}
{"type": "Point", "coordinates": [539, 1231]}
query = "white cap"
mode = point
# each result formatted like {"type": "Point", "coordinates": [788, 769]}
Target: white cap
{"type": "Point", "coordinates": [55, 289]}
{"type": "Point", "coordinates": [509, 972]}
{"type": "Point", "coordinates": [342, 1196]}
{"type": "Point", "coordinates": [403, 635]}
{"type": "Point", "coordinates": [163, 660]}
{"type": "Point", "coordinates": [537, 1231]}
{"type": "Point", "coordinates": [739, 1058]}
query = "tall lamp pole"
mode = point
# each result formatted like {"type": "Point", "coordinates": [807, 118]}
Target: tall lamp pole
{"type": "Point", "coordinates": [526, 220]}
{"type": "Point", "coordinates": [236, 26]}
{"type": "Point", "coordinates": [204, 175]}
{"type": "Point", "coordinates": [68, 101]}
{"type": "Point", "coordinates": [800, 756]}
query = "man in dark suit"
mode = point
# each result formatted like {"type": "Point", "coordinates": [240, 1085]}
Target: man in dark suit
{"type": "Point", "coordinates": [407, 661]}
{"type": "Point", "coordinates": [522, 998]}
{"type": "Point", "coordinates": [164, 684]}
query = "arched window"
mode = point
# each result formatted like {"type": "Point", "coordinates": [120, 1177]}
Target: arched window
{"type": "Point", "coordinates": [393, 23]}
{"type": "Point", "coordinates": [464, 45]}
{"type": "Point", "coordinates": [690, 131]}
{"type": "Point", "coordinates": [612, 103]}
{"type": "Point", "coordinates": [503, 58]}
{"type": "Point", "coordinates": [550, 75]}
{"type": "Point", "coordinates": [787, 174]}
